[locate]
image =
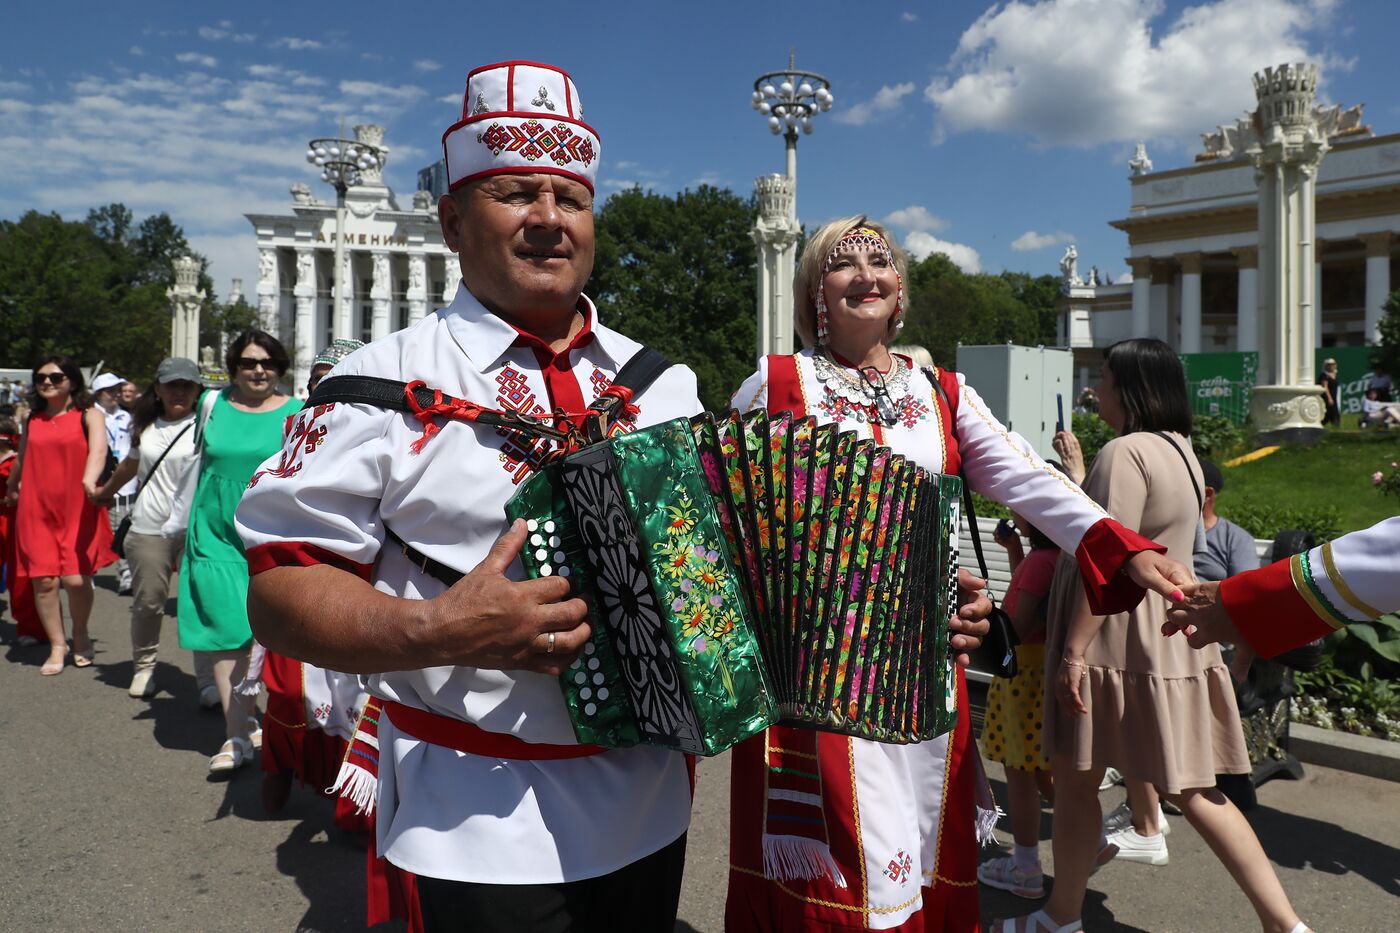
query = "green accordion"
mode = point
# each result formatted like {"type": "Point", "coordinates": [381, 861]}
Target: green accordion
{"type": "Point", "coordinates": [749, 570]}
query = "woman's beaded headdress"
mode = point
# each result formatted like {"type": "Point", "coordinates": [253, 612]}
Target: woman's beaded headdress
{"type": "Point", "coordinates": [858, 239]}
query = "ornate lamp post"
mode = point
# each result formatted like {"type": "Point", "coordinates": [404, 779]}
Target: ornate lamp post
{"type": "Point", "coordinates": [789, 99]}
{"type": "Point", "coordinates": [343, 163]}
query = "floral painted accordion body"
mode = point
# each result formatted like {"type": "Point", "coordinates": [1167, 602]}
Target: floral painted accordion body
{"type": "Point", "coordinates": [747, 570]}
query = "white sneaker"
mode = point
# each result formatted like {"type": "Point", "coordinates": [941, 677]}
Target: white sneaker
{"type": "Point", "coordinates": [209, 697]}
{"type": "Point", "coordinates": [1110, 777]}
{"type": "Point", "coordinates": [143, 684]}
{"type": "Point", "coordinates": [1150, 850]}
{"type": "Point", "coordinates": [1002, 873]}
{"type": "Point", "coordinates": [124, 583]}
{"type": "Point", "coordinates": [1121, 818]}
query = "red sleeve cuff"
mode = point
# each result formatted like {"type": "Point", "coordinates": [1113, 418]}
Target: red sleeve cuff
{"type": "Point", "coordinates": [299, 554]}
{"type": "Point", "coordinates": [1268, 610]}
{"type": "Point", "coordinates": [1101, 554]}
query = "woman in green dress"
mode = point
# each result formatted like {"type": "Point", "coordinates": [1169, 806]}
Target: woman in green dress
{"type": "Point", "coordinates": [239, 428]}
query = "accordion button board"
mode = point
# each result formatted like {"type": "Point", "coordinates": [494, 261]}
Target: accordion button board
{"type": "Point", "coordinates": [746, 570]}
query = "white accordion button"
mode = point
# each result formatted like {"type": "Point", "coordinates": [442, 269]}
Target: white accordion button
{"type": "Point", "coordinates": [546, 570]}
{"type": "Point", "coordinates": [580, 678]}
{"type": "Point", "coordinates": [586, 693]}
{"type": "Point", "coordinates": [592, 664]}
{"type": "Point", "coordinates": [541, 555]}
{"type": "Point", "coordinates": [588, 647]}
{"type": "Point", "coordinates": [589, 709]}
{"type": "Point", "coordinates": [536, 540]}
{"type": "Point", "coordinates": [532, 525]}
{"type": "Point", "coordinates": [553, 540]}
{"type": "Point", "coordinates": [559, 556]}
{"type": "Point", "coordinates": [602, 693]}
{"type": "Point", "coordinates": [598, 679]}
{"type": "Point", "coordinates": [563, 571]}
{"type": "Point", "coordinates": [549, 527]}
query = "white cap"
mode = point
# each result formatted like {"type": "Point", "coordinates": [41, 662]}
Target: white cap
{"type": "Point", "coordinates": [106, 381]}
{"type": "Point", "coordinates": [521, 118]}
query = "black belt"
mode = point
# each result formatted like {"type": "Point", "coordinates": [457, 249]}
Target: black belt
{"type": "Point", "coordinates": [433, 568]}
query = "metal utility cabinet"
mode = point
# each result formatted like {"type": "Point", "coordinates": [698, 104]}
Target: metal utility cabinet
{"type": "Point", "coordinates": [1019, 385]}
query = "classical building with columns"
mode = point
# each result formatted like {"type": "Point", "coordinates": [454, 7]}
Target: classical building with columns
{"type": "Point", "coordinates": [397, 268]}
{"type": "Point", "coordinates": [1194, 244]}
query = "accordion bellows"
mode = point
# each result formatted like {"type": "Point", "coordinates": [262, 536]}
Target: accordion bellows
{"type": "Point", "coordinates": [747, 570]}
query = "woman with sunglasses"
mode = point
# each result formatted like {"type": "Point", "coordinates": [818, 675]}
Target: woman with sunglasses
{"type": "Point", "coordinates": [238, 429]}
{"type": "Point", "coordinates": [63, 538]}
{"type": "Point", "coordinates": [832, 832]}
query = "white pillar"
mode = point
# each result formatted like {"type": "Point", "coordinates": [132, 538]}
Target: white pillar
{"type": "Point", "coordinates": [379, 293]}
{"type": "Point", "coordinates": [1142, 294]}
{"type": "Point", "coordinates": [1192, 265]}
{"type": "Point", "coordinates": [346, 316]}
{"type": "Point", "coordinates": [417, 292]}
{"type": "Point", "coordinates": [1317, 305]}
{"type": "Point", "coordinates": [1377, 281]}
{"type": "Point", "coordinates": [306, 340]}
{"type": "Point", "coordinates": [1247, 306]}
{"type": "Point", "coordinates": [775, 232]}
{"type": "Point", "coordinates": [185, 298]}
{"type": "Point", "coordinates": [267, 291]}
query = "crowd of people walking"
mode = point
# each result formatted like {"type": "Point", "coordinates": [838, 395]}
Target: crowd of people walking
{"type": "Point", "coordinates": [339, 534]}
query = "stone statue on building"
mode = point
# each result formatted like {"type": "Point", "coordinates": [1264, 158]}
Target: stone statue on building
{"type": "Point", "coordinates": [1140, 163]}
{"type": "Point", "coordinates": [423, 201]}
{"type": "Point", "coordinates": [206, 359]}
{"type": "Point", "coordinates": [301, 194]}
{"type": "Point", "coordinates": [306, 269]}
{"type": "Point", "coordinates": [1069, 268]}
{"type": "Point", "coordinates": [415, 278]}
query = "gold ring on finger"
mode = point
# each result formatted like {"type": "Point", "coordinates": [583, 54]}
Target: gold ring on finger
{"type": "Point", "coordinates": [549, 648]}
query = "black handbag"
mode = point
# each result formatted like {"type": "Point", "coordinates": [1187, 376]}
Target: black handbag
{"type": "Point", "coordinates": [997, 653]}
{"type": "Point", "coordinates": [124, 526]}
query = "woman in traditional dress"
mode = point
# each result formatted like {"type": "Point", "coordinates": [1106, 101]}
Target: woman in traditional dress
{"type": "Point", "coordinates": [1158, 710]}
{"type": "Point", "coordinates": [62, 537]}
{"type": "Point", "coordinates": [243, 428]}
{"type": "Point", "coordinates": [830, 832]}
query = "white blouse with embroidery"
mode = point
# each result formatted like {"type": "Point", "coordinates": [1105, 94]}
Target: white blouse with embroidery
{"type": "Point", "coordinates": [345, 474]}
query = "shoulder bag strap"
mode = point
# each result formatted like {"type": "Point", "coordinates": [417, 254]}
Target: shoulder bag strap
{"type": "Point", "coordinates": [1200, 500]}
{"type": "Point", "coordinates": [966, 489]}
{"type": "Point", "coordinates": [159, 460]}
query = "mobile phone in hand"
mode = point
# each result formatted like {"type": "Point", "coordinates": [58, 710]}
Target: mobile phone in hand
{"type": "Point", "coordinates": [1004, 527]}
{"type": "Point", "coordinates": [1060, 412]}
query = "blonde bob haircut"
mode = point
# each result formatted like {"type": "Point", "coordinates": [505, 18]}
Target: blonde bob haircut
{"type": "Point", "coordinates": [809, 273]}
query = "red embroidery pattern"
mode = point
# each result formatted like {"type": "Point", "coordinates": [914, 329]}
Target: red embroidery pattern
{"type": "Point", "coordinates": [304, 437]}
{"type": "Point", "coordinates": [533, 140]}
{"type": "Point", "coordinates": [899, 867]}
{"type": "Point", "coordinates": [838, 408]}
{"type": "Point", "coordinates": [519, 455]}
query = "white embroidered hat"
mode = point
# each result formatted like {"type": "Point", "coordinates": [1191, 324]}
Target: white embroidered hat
{"type": "Point", "coordinates": [522, 118]}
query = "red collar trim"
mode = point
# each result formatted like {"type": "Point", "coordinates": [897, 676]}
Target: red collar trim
{"type": "Point", "coordinates": [895, 360]}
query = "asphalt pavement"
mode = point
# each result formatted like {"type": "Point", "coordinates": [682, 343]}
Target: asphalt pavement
{"type": "Point", "coordinates": [110, 821]}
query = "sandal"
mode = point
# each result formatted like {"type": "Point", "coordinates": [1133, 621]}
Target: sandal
{"type": "Point", "coordinates": [83, 658]}
{"type": "Point", "coordinates": [1003, 874]}
{"type": "Point", "coordinates": [51, 668]}
{"type": "Point", "coordinates": [231, 756]}
{"type": "Point", "coordinates": [1035, 923]}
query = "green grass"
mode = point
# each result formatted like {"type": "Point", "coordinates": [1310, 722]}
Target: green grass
{"type": "Point", "coordinates": [1336, 472]}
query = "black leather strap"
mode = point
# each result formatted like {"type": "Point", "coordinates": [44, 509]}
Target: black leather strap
{"type": "Point", "coordinates": [966, 489]}
{"type": "Point", "coordinates": [433, 568]}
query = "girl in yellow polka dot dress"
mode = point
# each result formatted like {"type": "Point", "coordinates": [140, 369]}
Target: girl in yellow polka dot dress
{"type": "Point", "coordinates": [1014, 718]}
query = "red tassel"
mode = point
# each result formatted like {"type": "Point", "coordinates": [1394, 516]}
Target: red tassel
{"type": "Point", "coordinates": [457, 409]}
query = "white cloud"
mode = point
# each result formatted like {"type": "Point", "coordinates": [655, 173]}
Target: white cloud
{"type": "Point", "coordinates": [921, 244]}
{"type": "Point", "coordinates": [205, 148]}
{"type": "Point", "coordinates": [194, 58]}
{"type": "Point", "coordinates": [907, 17]}
{"type": "Point", "coordinates": [427, 64]}
{"type": "Point", "coordinates": [13, 87]}
{"type": "Point", "coordinates": [1031, 241]}
{"type": "Point", "coordinates": [454, 100]}
{"type": "Point", "coordinates": [136, 50]}
{"type": "Point", "coordinates": [224, 30]}
{"type": "Point", "coordinates": [916, 217]}
{"type": "Point", "coordinates": [295, 44]}
{"type": "Point", "coordinates": [885, 100]}
{"type": "Point", "coordinates": [1084, 72]}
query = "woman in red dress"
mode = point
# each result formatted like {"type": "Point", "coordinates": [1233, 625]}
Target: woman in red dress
{"type": "Point", "coordinates": [62, 537]}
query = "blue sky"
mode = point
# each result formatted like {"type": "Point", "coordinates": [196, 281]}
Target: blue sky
{"type": "Point", "coordinates": [996, 133]}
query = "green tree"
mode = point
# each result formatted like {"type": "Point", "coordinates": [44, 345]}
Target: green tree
{"type": "Point", "coordinates": [677, 273]}
{"type": "Point", "coordinates": [948, 306]}
{"type": "Point", "coordinates": [94, 290]}
{"type": "Point", "coordinates": [1386, 359]}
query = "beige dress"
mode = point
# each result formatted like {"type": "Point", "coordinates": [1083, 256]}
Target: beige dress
{"type": "Point", "coordinates": [1159, 710]}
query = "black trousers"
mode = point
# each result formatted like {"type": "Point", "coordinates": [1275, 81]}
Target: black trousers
{"type": "Point", "coordinates": [639, 898]}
